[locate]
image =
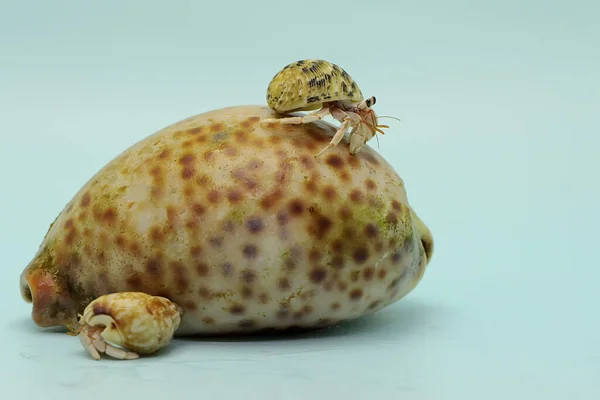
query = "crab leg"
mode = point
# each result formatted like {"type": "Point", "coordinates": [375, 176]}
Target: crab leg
{"type": "Point", "coordinates": [86, 342]}
{"type": "Point", "coordinates": [314, 116]}
{"type": "Point", "coordinates": [337, 137]}
{"type": "Point", "coordinates": [120, 353]}
{"type": "Point", "coordinates": [92, 341]}
{"type": "Point", "coordinates": [347, 118]}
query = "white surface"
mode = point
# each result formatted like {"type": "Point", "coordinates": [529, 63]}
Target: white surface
{"type": "Point", "coordinates": [498, 147]}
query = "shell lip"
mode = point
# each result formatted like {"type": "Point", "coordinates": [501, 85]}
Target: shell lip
{"type": "Point", "coordinates": [51, 308]}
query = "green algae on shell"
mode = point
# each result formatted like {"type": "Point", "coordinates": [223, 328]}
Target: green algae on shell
{"type": "Point", "coordinates": [239, 225]}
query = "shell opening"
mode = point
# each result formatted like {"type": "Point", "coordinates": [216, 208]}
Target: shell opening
{"type": "Point", "coordinates": [26, 291]}
{"type": "Point", "coordinates": [427, 243]}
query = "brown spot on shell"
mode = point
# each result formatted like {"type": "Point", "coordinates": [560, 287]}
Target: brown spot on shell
{"type": "Point", "coordinates": [368, 273]}
{"type": "Point", "coordinates": [284, 283]}
{"type": "Point", "coordinates": [356, 294]}
{"type": "Point", "coordinates": [202, 269]}
{"type": "Point", "coordinates": [321, 226]}
{"type": "Point", "coordinates": [154, 266]}
{"type": "Point", "coordinates": [271, 199]}
{"type": "Point", "coordinates": [187, 172]}
{"type": "Point", "coordinates": [307, 162]}
{"type": "Point", "coordinates": [311, 186]}
{"type": "Point", "coordinates": [71, 236]}
{"type": "Point", "coordinates": [381, 274]}
{"type": "Point", "coordinates": [188, 191]}
{"type": "Point", "coordinates": [195, 130]}
{"type": "Point", "coordinates": [198, 209]}
{"type": "Point", "coordinates": [371, 230]}
{"type": "Point", "coordinates": [335, 306]}
{"type": "Point", "coordinates": [217, 127]}
{"type": "Point", "coordinates": [360, 255]}
{"type": "Point", "coordinates": [109, 215]}
{"type": "Point", "coordinates": [296, 207]}
{"type": "Point", "coordinates": [213, 196]}
{"type": "Point", "coordinates": [180, 274]}
{"type": "Point", "coordinates": [248, 276]}
{"type": "Point", "coordinates": [264, 298]}
{"type": "Point", "coordinates": [86, 199]}
{"type": "Point", "coordinates": [230, 150]}
{"type": "Point", "coordinates": [196, 251]}
{"type": "Point", "coordinates": [227, 268]}
{"type": "Point", "coordinates": [121, 241]}
{"type": "Point", "coordinates": [250, 251]}
{"type": "Point", "coordinates": [208, 156]}
{"type": "Point", "coordinates": [208, 320]}
{"type": "Point", "coordinates": [135, 282]}
{"type": "Point", "coordinates": [237, 309]}
{"type": "Point", "coordinates": [241, 136]}
{"type": "Point", "coordinates": [171, 214]}
{"type": "Point", "coordinates": [215, 241]}
{"type": "Point", "coordinates": [289, 264]}
{"type": "Point", "coordinates": [275, 140]}
{"type": "Point", "coordinates": [248, 122]}
{"type": "Point", "coordinates": [370, 184]}
{"type": "Point", "coordinates": [345, 213]}
{"type": "Point", "coordinates": [190, 305]}
{"type": "Point", "coordinates": [356, 196]}
{"type": "Point", "coordinates": [282, 218]}
{"type": "Point", "coordinates": [255, 224]}
{"type": "Point", "coordinates": [247, 292]}
{"type": "Point", "coordinates": [235, 196]}
{"type": "Point", "coordinates": [334, 161]}
{"type": "Point", "coordinates": [244, 177]}
{"type": "Point", "coordinates": [318, 275]}
{"type": "Point", "coordinates": [330, 193]}
{"type": "Point", "coordinates": [156, 234]}
{"type": "Point", "coordinates": [164, 154]}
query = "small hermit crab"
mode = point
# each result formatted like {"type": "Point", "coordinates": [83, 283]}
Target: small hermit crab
{"type": "Point", "coordinates": [137, 322]}
{"type": "Point", "coordinates": [309, 85]}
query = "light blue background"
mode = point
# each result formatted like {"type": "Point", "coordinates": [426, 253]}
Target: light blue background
{"type": "Point", "coordinates": [498, 147]}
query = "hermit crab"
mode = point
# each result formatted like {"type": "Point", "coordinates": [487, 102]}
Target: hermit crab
{"type": "Point", "coordinates": [309, 85]}
{"type": "Point", "coordinates": [136, 322]}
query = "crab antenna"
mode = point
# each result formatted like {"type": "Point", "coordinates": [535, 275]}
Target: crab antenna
{"type": "Point", "coordinates": [387, 116]}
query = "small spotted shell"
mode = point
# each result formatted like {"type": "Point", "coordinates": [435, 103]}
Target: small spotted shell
{"type": "Point", "coordinates": [304, 85]}
{"type": "Point", "coordinates": [133, 320]}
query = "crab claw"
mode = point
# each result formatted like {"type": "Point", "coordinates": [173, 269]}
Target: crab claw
{"type": "Point", "coordinates": [92, 340]}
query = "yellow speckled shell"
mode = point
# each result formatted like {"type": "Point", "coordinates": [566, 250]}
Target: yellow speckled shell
{"type": "Point", "coordinates": [304, 85]}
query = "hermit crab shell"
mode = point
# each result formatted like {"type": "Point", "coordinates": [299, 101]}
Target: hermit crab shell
{"type": "Point", "coordinates": [134, 320]}
{"type": "Point", "coordinates": [304, 85]}
{"type": "Point", "coordinates": [237, 223]}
